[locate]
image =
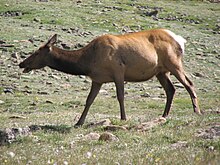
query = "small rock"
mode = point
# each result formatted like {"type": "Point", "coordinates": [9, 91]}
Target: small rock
{"type": "Point", "coordinates": [2, 102]}
{"type": "Point", "coordinates": [49, 102]}
{"type": "Point", "coordinates": [41, 0]}
{"type": "Point", "coordinates": [15, 55]}
{"type": "Point", "coordinates": [104, 92]}
{"type": "Point", "coordinates": [145, 95]}
{"type": "Point", "coordinates": [108, 137]}
{"type": "Point", "coordinates": [197, 74]}
{"type": "Point", "coordinates": [152, 13]}
{"type": "Point", "coordinates": [42, 92]}
{"type": "Point", "coordinates": [8, 90]}
{"type": "Point", "coordinates": [11, 154]}
{"type": "Point", "coordinates": [2, 42]}
{"type": "Point", "coordinates": [78, 1]}
{"type": "Point", "coordinates": [179, 144]}
{"type": "Point", "coordinates": [148, 125]}
{"type": "Point", "coordinates": [178, 85]}
{"type": "Point", "coordinates": [211, 148]}
{"type": "Point", "coordinates": [17, 117]}
{"type": "Point", "coordinates": [65, 46]}
{"type": "Point", "coordinates": [65, 162]}
{"type": "Point", "coordinates": [115, 128]}
{"type": "Point", "coordinates": [78, 45]}
{"type": "Point", "coordinates": [105, 122]}
{"type": "Point", "coordinates": [88, 155]}
{"type": "Point", "coordinates": [92, 136]}
{"type": "Point", "coordinates": [36, 20]}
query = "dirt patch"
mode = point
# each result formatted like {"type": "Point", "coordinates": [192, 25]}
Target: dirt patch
{"type": "Point", "coordinates": [150, 124]}
{"type": "Point", "coordinates": [212, 132]}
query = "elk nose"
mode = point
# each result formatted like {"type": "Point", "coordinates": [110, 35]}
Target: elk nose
{"type": "Point", "coordinates": [21, 65]}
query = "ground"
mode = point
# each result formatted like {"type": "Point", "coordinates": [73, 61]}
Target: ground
{"type": "Point", "coordinates": [38, 110]}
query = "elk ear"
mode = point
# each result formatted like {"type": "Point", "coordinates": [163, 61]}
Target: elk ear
{"type": "Point", "coordinates": [52, 40]}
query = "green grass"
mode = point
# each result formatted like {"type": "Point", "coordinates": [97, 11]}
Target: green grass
{"type": "Point", "coordinates": [54, 101]}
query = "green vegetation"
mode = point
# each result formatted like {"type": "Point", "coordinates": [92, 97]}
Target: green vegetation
{"type": "Point", "coordinates": [53, 101]}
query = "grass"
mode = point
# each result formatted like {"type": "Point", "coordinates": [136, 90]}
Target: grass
{"type": "Point", "coordinates": [54, 101]}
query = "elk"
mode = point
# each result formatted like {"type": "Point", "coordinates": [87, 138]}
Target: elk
{"type": "Point", "coordinates": [132, 57]}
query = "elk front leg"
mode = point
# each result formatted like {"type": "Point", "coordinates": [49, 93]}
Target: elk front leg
{"type": "Point", "coordinates": [91, 97]}
{"type": "Point", "coordinates": [169, 89]}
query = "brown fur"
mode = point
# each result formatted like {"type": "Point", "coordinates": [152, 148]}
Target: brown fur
{"type": "Point", "coordinates": [132, 57]}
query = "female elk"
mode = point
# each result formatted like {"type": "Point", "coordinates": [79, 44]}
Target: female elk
{"type": "Point", "coordinates": [132, 57]}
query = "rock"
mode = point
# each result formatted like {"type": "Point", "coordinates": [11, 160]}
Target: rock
{"type": "Point", "coordinates": [11, 14]}
{"type": "Point", "coordinates": [49, 102]}
{"type": "Point", "coordinates": [78, 1]}
{"type": "Point", "coordinates": [145, 95]}
{"type": "Point", "coordinates": [10, 135]}
{"type": "Point", "coordinates": [178, 85]}
{"type": "Point", "coordinates": [65, 162]}
{"type": "Point", "coordinates": [103, 92]}
{"type": "Point", "coordinates": [2, 102]}
{"type": "Point", "coordinates": [36, 20]}
{"type": "Point", "coordinates": [17, 117]}
{"type": "Point", "coordinates": [65, 46]}
{"type": "Point", "coordinates": [15, 55]}
{"type": "Point", "coordinates": [7, 45]}
{"type": "Point", "coordinates": [11, 154]}
{"type": "Point", "coordinates": [148, 125]}
{"type": "Point", "coordinates": [88, 155]}
{"type": "Point", "coordinates": [115, 128]}
{"type": "Point", "coordinates": [105, 122]}
{"type": "Point", "coordinates": [211, 148]}
{"type": "Point", "coordinates": [212, 132]}
{"type": "Point", "coordinates": [197, 74]}
{"type": "Point", "coordinates": [178, 144]}
{"type": "Point", "coordinates": [152, 13]}
{"type": "Point", "coordinates": [2, 42]}
{"type": "Point", "coordinates": [41, 0]}
{"type": "Point", "coordinates": [34, 128]}
{"type": "Point", "coordinates": [42, 93]}
{"type": "Point", "coordinates": [92, 136]}
{"type": "Point", "coordinates": [106, 136]}
{"type": "Point", "coordinates": [78, 45]}
{"type": "Point", "coordinates": [8, 90]}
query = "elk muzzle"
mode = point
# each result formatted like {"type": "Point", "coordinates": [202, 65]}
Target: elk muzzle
{"type": "Point", "coordinates": [26, 68]}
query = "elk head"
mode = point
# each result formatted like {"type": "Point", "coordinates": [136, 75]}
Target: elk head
{"type": "Point", "coordinates": [40, 57]}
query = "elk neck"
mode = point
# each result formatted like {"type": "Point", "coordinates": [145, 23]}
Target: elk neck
{"type": "Point", "coordinates": [71, 62]}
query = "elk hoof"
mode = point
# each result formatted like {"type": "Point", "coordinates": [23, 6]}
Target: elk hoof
{"type": "Point", "coordinates": [77, 125]}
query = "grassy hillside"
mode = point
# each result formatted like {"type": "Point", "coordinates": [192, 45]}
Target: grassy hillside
{"type": "Point", "coordinates": [43, 106]}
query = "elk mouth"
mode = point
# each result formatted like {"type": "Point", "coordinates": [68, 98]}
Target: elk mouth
{"type": "Point", "coordinates": [26, 70]}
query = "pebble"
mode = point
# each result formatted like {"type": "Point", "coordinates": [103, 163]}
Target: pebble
{"type": "Point", "coordinates": [65, 163]}
{"type": "Point", "coordinates": [2, 102]}
{"type": "Point", "coordinates": [11, 154]}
